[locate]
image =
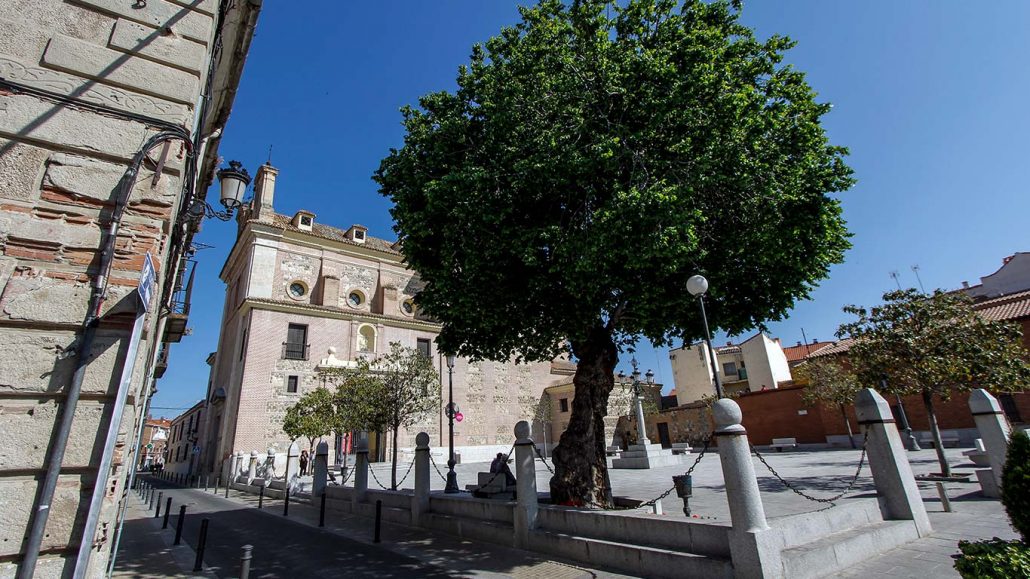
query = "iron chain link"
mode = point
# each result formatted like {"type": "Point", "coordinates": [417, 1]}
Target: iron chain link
{"type": "Point", "coordinates": [374, 477]}
{"type": "Point", "coordinates": [405, 477]}
{"type": "Point", "coordinates": [799, 492]}
{"type": "Point", "coordinates": [496, 474]}
{"type": "Point", "coordinates": [437, 467]}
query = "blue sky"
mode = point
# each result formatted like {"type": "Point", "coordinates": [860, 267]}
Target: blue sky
{"type": "Point", "coordinates": [929, 95]}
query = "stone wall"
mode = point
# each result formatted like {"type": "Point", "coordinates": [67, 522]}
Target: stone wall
{"type": "Point", "coordinates": [129, 71]}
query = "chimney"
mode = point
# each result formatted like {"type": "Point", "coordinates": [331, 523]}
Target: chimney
{"type": "Point", "coordinates": [965, 285]}
{"type": "Point", "coordinates": [815, 340]}
{"type": "Point", "coordinates": [799, 342]}
{"type": "Point", "coordinates": [264, 192]}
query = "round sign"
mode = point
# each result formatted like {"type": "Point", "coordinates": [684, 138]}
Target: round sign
{"type": "Point", "coordinates": [459, 417]}
{"type": "Point", "coordinates": [150, 446]}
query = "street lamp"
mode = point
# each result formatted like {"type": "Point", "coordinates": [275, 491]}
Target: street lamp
{"type": "Point", "coordinates": [452, 478]}
{"type": "Point", "coordinates": [233, 181]}
{"type": "Point", "coordinates": [697, 285]}
{"type": "Point", "coordinates": [638, 394]}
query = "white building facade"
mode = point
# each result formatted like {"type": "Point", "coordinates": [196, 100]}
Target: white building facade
{"type": "Point", "coordinates": [757, 363]}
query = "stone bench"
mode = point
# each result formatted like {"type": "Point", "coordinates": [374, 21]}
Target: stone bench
{"type": "Point", "coordinates": [492, 486]}
{"type": "Point", "coordinates": [780, 443]}
{"type": "Point", "coordinates": [978, 455]}
{"type": "Point", "coordinates": [681, 448]}
{"type": "Point", "coordinates": [612, 450]}
{"type": "Point", "coordinates": [949, 439]}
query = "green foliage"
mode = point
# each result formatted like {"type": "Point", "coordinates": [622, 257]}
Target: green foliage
{"type": "Point", "coordinates": [597, 154]}
{"type": "Point", "coordinates": [994, 559]}
{"type": "Point", "coordinates": [313, 416]}
{"type": "Point", "coordinates": [829, 382]}
{"type": "Point", "coordinates": [934, 342]}
{"type": "Point", "coordinates": [1015, 483]}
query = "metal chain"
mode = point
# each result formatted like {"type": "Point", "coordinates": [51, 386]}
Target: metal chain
{"type": "Point", "coordinates": [493, 478]}
{"type": "Point", "coordinates": [405, 477]}
{"type": "Point", "coordinates": [854, 479]}
{"type": "Point", "coordinates": [442, 475]}
{"type": "Point", "coordinates": [350, 473]}
{"type": "Point", "coordinates": [707, 442]}
{"type": "Point", "coordinates": [542, 459]}
{"type": "Point", "coordinates": [374, 477]}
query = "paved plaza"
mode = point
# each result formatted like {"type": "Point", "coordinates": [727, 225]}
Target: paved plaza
{"type": "Point", "coordinates": [296, 546]}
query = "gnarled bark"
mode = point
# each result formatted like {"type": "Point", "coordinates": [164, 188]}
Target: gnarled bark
{"type": "Point", "coordinates": [935, 431]}
{"type": "Point", "coordinates": [581, 471]}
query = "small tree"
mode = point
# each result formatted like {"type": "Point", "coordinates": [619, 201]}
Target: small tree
{"type": "Point", "coordinates": [394, 390]}
{"type": "Point", "coordinates": [1015, 484]}
{"type": "Point", "coordinates": [312, 417]}
{"type": "Point", "coordinates": [829, 382]}
{"type": "Point", "coordinates": [931, 344]}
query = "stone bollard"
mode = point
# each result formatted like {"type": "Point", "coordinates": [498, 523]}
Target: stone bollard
{"type": "Point", "coordinates": [754, 547]}
{"type": "Point", "coordinates": [320, 469]}
{"type": "Point", "coordinates": [892, 474]}
{"type": "Point", "coordinates": [252, 470]}
{"type": "Point", "coordinates": [420, 501]}
{"type": "Point", "coordinates": [994, 431]}
{"type": "Point", "coordinates": [292, 462]}
{"type": "Point", "coordinates": [360, 471]}
{"type": "Point", "coordinates": [525, 485]}
{"type": "Point", "coordinates": [237, 467]}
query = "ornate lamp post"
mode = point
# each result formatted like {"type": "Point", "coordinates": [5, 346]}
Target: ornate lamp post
{"type": "Point", "coordinates": [452, 478]}
{"type": "Point", "coordinates": [697, 285]}
{"type": "Point", "coordinates": [638, 394]}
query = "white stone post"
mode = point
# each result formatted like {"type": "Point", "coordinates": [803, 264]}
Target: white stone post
{"type": "Point", "coordinates": [360, 470]}
{"type": "Point", "coordinates": [292, 464]}
{"type": "Point", "coordinates": [320, 469]}
{"type": "Point", "coordinates": [525, 485]}
{"type": "Point", "coordinates": [420, 502]}
{"type": "Point", "coordinates": [641, 426]}
{"type": "Point", "coordinates": [994, 431]}
{"type": "Point", "coordinates": [237, 466]}
{"type": "Point", "coordinates": [252, 470]}
{"type": "Point", "coordinates": [892, 474]}
{"type": "Point", "coordinates": [754, 547]}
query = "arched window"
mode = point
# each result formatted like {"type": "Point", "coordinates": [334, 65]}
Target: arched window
{"type": "Point", "coordinates": [366, 339]}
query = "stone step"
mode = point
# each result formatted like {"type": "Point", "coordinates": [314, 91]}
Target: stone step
{"type": "Point", "coordinates": [807, 527]}
{"type": "Point", "coordinates": [839, 551]}
{"type": "Point", "coordinates": [633, 559]}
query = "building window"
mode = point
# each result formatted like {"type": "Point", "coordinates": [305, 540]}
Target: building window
{"type": "Point", "coordinates": [355, 299]}
{"type": "Point", "coordinates": [243, 343]}
{"type": "Point", "coordinates": [729, 369]}
{"type": "Point", "coordinates": [291, 384]}
{"type": "Point", "coordinates": [408, 307]}
{"type": "Point", "coordinates": [296, 345]}
{"type": "Point", "coordinates": [563, 404]}
{"type": "Point", "coordinates": [297, 289]}
{"type": "Point", "coordinates": [424, 347]}
{"type": "Point", "coordinates": [366, 339]}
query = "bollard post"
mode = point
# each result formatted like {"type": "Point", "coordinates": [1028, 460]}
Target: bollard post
{"type": "Point", "coordinates": [286, 503]}
{"type": "Point", "coordinates": [179, 523]}
{"type": "Point", "coordinates": [198, 565]}
{"type": "Point", "coordinates": [360, 471]}
{"type": "Point", "coordinates": [292, 462]}
{"type": "Point", "coordinates": [261, 497]}
{"type": "Point", "coordinates": [945, 500]}
{"type": "Point", "coordinates": [245, 561]}
{"type": "Point", "coordinates": [379, 519]}
{"type": "Point", "coordinates": [207, 479]}
{"type": "Point", "coordinates": [321, 512]}
{"type": "Point", "coordinates": [252, 469]}
{"type": "Point", "coordinates": [320, 469]}
{"type": "Point", "coordinates": [420, 500]}
{"type": "Point", "coordinates": [526, 506]}
{"type": "Point", "coordinates": [168, 511]}
{"type": "Point", "coordinates": [151, 499]}
{"type": "Point", "coordinates": [994, 431]}
{"type": "Point", "coordinates": [157, 511]}
{"type": "Point", "coordinates": [892, 473]}
{"type": "Point", "coordinates": [218, 480]}
{"type": "Point", "coordinates": [754, 547]}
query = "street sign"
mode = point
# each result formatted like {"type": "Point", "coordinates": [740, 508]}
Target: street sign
{"type": "Point", "coordinates": [150, 446]}
{"type": "Point", "coordinates": [147, 279]}
{"type": "Point", "coordinates": [459, 417]}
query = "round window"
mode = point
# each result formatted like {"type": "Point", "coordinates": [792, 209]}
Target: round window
{"type": "Point", "coordinates": [408, 307]}
{"type": "Point", "coordinates": [355, 299]}
{"type": "Point", "coordinates": [298, 289]}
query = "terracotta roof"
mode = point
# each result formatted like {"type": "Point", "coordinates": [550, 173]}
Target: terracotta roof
{"type": "Point", "coordinates": [802, 351]}
{"type": "Point", "coordinates": [1008, 307]}
{"type": "Point", "coordinates": [834, 348]}
{"type": "Point", "coordinates": [335, 234]}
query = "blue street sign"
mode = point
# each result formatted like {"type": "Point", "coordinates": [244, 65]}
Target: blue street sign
{"type": "Point", "coordinates": [147, 279]}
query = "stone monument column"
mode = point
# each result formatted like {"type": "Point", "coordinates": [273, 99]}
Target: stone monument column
{"type": "Point", "coordinates": [892, 474]}
{"type": "Point", "coordinates": [252, 471]}
{"type": "Point", "coordinates": [994, 431]}
{"type": "Point", "coordinates": [320, 469]}
{"type": "Point", "coordinates": [292, 462]}
{"type": "Point", "coordinates": [360, 470]}
{"type": "Point", "coordinates": [526, 506]}
{"type": "Point", "coordinates": [420, 501]}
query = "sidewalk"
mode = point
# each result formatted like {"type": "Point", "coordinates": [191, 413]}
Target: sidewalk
{"type": "Point", "coordinates": [146, 551]}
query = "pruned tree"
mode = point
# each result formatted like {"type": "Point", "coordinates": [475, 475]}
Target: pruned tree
{"type": "Point", "coordinates": [393, 390]}
{"type": "Point", "coordinates": [594, 156]}
{"type": "Point", "coordinates": [830, 383]}
{"type": "Point", "coordinates": [311, 417]}
{"type": "Point", "coordinates": [934, 344]}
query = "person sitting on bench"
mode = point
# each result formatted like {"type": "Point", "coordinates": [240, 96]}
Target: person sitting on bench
{"type": "Point", "coordinates": [500, 464]}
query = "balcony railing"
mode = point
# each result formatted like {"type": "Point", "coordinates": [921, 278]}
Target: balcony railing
{"type": "Point", "coordinates": [292, 351]}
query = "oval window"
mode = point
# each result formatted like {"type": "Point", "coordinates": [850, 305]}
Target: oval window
{"type": "Point", "coordinates": [355, 299]}
{"type": "Point", "coordinates": [297, 289]}
{"type": "Point", "coordinates": [408, 307]}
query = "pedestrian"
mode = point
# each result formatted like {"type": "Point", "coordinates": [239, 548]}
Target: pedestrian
{"type": "Point", "coordinates": [500, 465]}
{"type": "Point", "coordinates": [303, 463]}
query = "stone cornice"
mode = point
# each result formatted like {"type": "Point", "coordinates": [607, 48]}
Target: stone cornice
{"type": "Point", "coordinates": [334, 313]}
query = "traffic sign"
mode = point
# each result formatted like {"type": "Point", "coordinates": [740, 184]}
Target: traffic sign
{"type": "Point", "coordinates": [150, 446]}
{"type": "Point", "coordinates": [147, 279]}
{"type": "Point", "coordinates": [459, 417]}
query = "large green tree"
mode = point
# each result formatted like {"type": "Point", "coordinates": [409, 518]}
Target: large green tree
{"type": "Point", "coordinates": [311, 417]}
{"type": "Point", "coordinates": [593, 157]}
{"type": "Point", "coordinates": [934, 344]}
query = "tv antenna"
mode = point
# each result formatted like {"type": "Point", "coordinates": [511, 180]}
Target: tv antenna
{"type": "Point", "coordinates": [915, 270]}
{"type": "Point", "coordinates": [894, 276]}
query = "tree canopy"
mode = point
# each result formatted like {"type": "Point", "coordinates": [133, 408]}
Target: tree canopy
{"type": "Point", "coordinates": [311, 417]}
{"type": "Point", "coordinates": [594, 156]}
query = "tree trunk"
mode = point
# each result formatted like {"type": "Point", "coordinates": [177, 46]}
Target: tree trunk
{"type": "Point", "coordinates": [935, 431]}
{"type": "Point", "coordinates": [393, 469]}
{"type": "Point", "coordinates": [580, 467]}
{"type": "Point", "coordinates": [847, 423]}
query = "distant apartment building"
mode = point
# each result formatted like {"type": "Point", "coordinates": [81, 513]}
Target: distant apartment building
{"type": "Point", "coordinates": [301, 296]}
{"type": "Point", "coordinates": [755, 364]}
{"type": "Point", "coordinates": [183, 447]}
